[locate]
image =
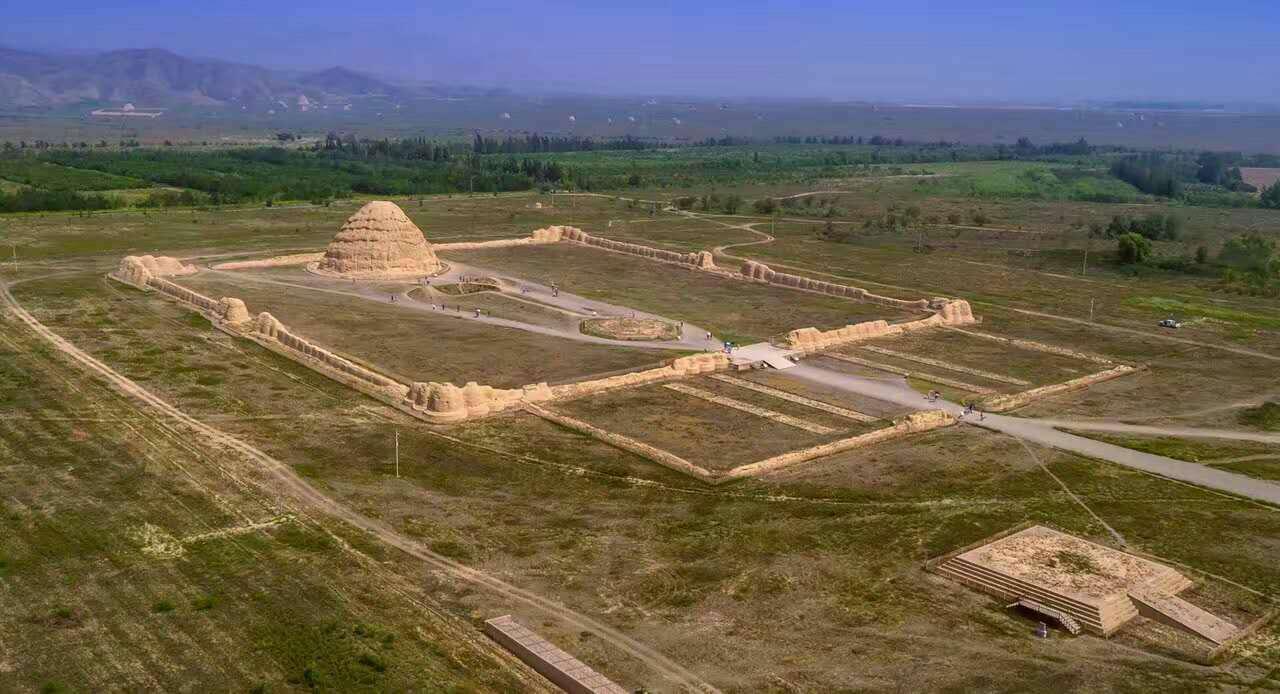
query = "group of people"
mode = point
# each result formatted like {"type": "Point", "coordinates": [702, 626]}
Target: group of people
{"type": "Point", "coordinates": [969, 408]}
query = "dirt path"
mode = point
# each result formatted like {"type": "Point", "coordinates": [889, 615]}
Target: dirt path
{"type": "Point", "coordinates": [288, 482]}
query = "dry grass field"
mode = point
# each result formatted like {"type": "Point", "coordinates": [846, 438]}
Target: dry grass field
{"type": "Point", "coordinates": [732, 309]}
{"type": "Point", "coordinates": [137, 555]}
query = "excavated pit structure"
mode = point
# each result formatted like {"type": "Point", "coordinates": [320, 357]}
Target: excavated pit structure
{"type": "Point", "coordinates": [378, 242]}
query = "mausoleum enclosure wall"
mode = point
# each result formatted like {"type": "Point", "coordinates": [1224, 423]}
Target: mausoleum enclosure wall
{"type": "Point", "coordinates": [433, 402]}
{"type": "Point", "coordinates": [445, 402]}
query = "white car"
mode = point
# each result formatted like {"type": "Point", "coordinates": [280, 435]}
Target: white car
{"type": "Point", "coordinates": [1170, 323]}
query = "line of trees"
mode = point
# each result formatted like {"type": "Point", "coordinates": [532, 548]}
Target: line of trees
{"type": "Point", "coordinates": [534, 144]}
{"type": "Point", "coordinates": [1150, 173]}
{"type": "Point", "coordinates": [55, 201]}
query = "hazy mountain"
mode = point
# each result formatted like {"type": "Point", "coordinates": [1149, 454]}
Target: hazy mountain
{"type": "Point", "coordinates": [340, 80]}
{"type": "Point", "coordinates": [153, 77]}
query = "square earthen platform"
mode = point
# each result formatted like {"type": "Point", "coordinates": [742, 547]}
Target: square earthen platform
{"type": "Point", "coordinates": [1100, 587]}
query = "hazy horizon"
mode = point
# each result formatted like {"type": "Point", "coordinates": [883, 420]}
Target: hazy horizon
{"type": "Point", "coordinates": [912, 51]}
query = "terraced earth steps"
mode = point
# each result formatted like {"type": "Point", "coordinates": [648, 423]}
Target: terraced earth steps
{"type": "Point", "coordinates": [798, 399]}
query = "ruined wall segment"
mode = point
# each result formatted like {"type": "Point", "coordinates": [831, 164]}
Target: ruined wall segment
{"type": "Point", "coordinates": [760, 272]}
{"type": "Point", "coordinates": [545, 235]}
{"type": "Point", "coordinates": [681, 367]}
{"type": "Point", "coordinates": [148, 273]}
{"type": "Point", "coordinates": [445, 402]}
{"type": "Point", "coordinates": [138, 270]}
{"type": "Point", "coordinates": [924, 420]}
{"type": "Point", "coordinates": [275, 261]}
{"type": "Point", "coordinates": [701, 260]}
{"type": "Point", "coordinates": [267, 329]}
{"type": "Point", "coordinates": [1004, 403]}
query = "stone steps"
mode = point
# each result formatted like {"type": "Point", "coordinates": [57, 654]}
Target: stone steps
{"type": "Point", "coordinates": [1067, 621]}
{"type": "Point", "coordinates": [1089, 616]}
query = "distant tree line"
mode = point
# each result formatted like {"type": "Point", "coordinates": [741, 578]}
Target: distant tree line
{"type": "Point", "coordinates": [536, 144]}
{"type": "Point", "coordinates": [56, 201]}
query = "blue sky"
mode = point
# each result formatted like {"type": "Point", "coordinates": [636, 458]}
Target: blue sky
{"type": "Point", "coordinates": [901, 50]}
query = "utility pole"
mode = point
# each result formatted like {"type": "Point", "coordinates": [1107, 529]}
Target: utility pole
{"type": "Point", "coordinates": [397, 454]}
{"type": "Point", "coordinates": [1084, 269]}
{"type": "Point", "coordinates": [1090, 309]}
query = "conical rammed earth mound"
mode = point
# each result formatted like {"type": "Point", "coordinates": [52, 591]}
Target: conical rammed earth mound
{"type": "Point", "coordinates": [377, 242]}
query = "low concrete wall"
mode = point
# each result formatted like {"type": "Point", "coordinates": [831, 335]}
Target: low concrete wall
{"type": "Point", "coordinates": [922, 375]}
{"type": "Point", "coordinates": [910, 424]}
{"type": "Point", "coordinates": [1036, 346]}
{"type": "Point", "coordinates": [625, 443]}
{"type": "Point", "coordinates": [1004, 403]}
{"type": "Point", "coordinates": [958, 368]}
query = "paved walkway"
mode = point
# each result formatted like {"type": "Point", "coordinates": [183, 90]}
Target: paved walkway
{"type": "Point", "coordinates": [1044, 433]}
{"type": "Point", "coordinates": [1147, 430]}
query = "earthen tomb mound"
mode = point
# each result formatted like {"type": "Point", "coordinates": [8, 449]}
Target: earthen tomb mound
{"type": "Point", "coordinates": [379, 241]}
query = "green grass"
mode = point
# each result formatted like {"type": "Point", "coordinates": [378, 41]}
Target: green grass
{"type": "Point", "coordinates": [288, 608]}
{"type": "Point", "coordinates": [49, 176]}
{"type": "Point", "coordinates": [1190, 310]}
{"type": "Point", "coordinates": [1265, 416]}
{"type": "Point", "coordinates": [1190, 450]}
{"type": "Point", "coordinates": [1029, 180]}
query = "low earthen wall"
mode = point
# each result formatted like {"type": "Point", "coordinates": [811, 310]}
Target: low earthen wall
{"type": "Point", "coordinates": [678, 368]}
{"type": "Point", "coordinates": [445, 402]}
{"type": "Point", "coordinates": [183, 294]}
{"type": "Point", "coordinates": [763, 273]}
{"type": "Point", "coordinates": [147, 273]}
{"type": "Point", "coordinates": [954, 312]}
{"type": "Point", "coordinates": [1004, 403]}
{"type": "Point", "coordinates": [910, 424]}
{"type": "Point", "coordinates": [702, 260]}
{"type": "Point", "coordinates": [267, 328]}
{"type": "Point", "coordinates": [277, 261]}
{"type": "Point", "coordinates": [551, 234]}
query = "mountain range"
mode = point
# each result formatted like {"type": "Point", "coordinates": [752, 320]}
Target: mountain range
{"type": "Point", "coordinates": [160, 78]}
